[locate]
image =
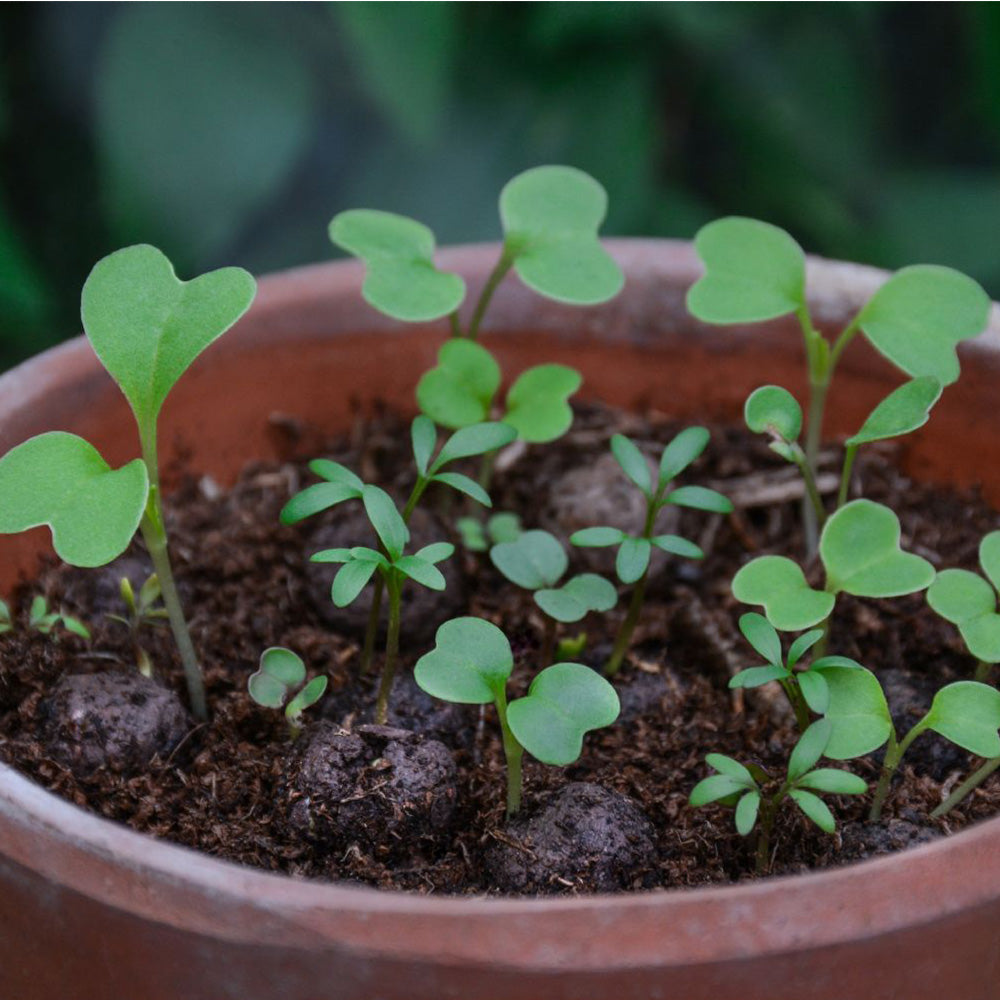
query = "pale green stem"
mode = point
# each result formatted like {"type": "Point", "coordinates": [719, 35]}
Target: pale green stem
{"type": "Point", "coordinates": [497, 275]}
{"type": "Point", "coordinates": [391, 651]}
{"type": "Point", "coordinates": [969, 785]}
{"type": "Point", "coordinates": [893, 756]}
{"type": "Point", "coordinates": [513, 752]}
{"type": "Point", "coordinates": [765, 823]}
{"type": "Point", "coordinates": [456, 326]}
{"type": "Point", "coordinates": [845, 476]}
{"type": "Point", "coordinates": [798, 702]}
{"type": "Point", "coordinates": [812, 492]}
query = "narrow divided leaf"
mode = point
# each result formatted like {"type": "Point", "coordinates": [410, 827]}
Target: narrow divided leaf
{"type": "Point", "coordinates": [316, 498]}
{"type": "Point", "coordinates": [829, 779]}
{"type": "Point", "coordinates": [597, 537]}
{"type": "Point", "coordinates": [350, 581]}
{"type": "Point", "coordinates": [632, 559]}
{"type": "Point", "coordinates": [422, 572]}
{"type": "Point", "coordinates": [746, 812]}
{"type": "Point", "coordinates": [902, 411]}
{"type": "Point", "coordinates": [476, 439]}
{"type": "Point", "coordinates": [809, 749]}
{"type": "Point", "coordinates": [700, 498]}
{"type": "Point", "coordinates": [386, 520]}
{"type": "Point", "coordinates": [677, 546]}
{"type": "Point", "coordinates": [681, 452]}
{"type": "Point", "coordinates": [632, 462]}
{"type": "Point", "coordinates": [759, 632]}
{"type": "Point", "coordinates": [814, 808]}
{"type": "Point", "coordinates": [463, 484]}
{"type": "Point", "coordinates": [423, 435]}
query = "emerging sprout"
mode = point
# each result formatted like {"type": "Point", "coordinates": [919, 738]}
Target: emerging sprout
{"type": "Point", "coordinates": [470, 664]}
{"type": "Point", "coordinates": [360, 564]}
{"type": "Point", "coordinates": [280, 673]}
{"type": "Point", "coordinates": [146, 327]}
{"type": "Point", "coordinates": [970, 602]}
{"type": "Point", "coordinates": [44, 621]}
{"type": "Point", "coordinates": [634, 551]}
{"type": "Point", "coordinates": [755, 271]}
{"type": "Point", "coordinates": [141, 612]}
{"type": "Point", "coordinates": [537, 561]}
{"type": "Point", "coordinates": [477, 537]}
{"type": "Point", "coordinates": [860, 552]}
{"type": "Point", "coordinates": [757, 796]}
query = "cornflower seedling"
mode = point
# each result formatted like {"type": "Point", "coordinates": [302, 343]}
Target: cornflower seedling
{"type": "Point", "coordinates": [43, 621]}
{"type": "Point", "coordinates": [537, 561]}
{"type": "Point", "coordinates": [755, 271]}
{"type": "Point", "coordinates": [634, 551]}
{"type": "Point", "coordinates": [965, 712]}
{"type": "Point", "coordinates": [860, 552]}
{"type": "Point", "coordinates": [470, 665]}
{"type": "Point", "coordinates": [758, 797]}
{"type": "Point", "coordinates": [280, 673]}
{"type": "Point", "coordinates": [360, 564]}
{"type": "Point", "coordinates": [477, 537]}
{"type": "Point", "coordinates": [341, 484]}
{"type": "Point", "coordinates": [146, 327]}
{"type": "Point", "coordinates": [141, 612]}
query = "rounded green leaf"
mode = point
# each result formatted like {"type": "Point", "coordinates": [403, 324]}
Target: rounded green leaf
{"type": "Point", "coordinates": [989, 557]}
{"type": "Point", "coordinates": [476, 439]}
{"type": "Point", "coordinates": [266, 690]}
{"type": "Point", "coordinates": [386, 520]}
{"type": "Point", "coordinates": [147, 326]}
{"type": "Point", "coordinates": [753, 271]}
{"type": "Point", "coordinates": [632, 559]}
{"type": "Point", "coordinates": [814, 808]}
{"type": "Point", "coordinates": [470, 530]}
{"type": "Point", "coordinates": [470, 662]}
{"type": "Point", "coordinates": [400, 277]}
{"type": "Point", "coordinates": [677, 546]}
{"type": "Point", "coordinates": [535, 559]}
{"type": "Point", "coordinates": [809, 749]}
{"type": "Point", "coordinates": [316, 498]}
{"type": "Point", "coordinates": [918, 317]}
{"type": "Point", "coordinates": [350, 580]}
{"type": "Point", "coordinates": [564, 703]}
{"type": "Point", "coordinates": [577, 597]}
{"type": "Point", "coordinates": [773, 410]}
{"type": "Point", "coordinates": [860, 551]}
{"type": "Point", "coordinates": [902, 411]}
{"type": "Point", "coordinates": [681, 452]}
{"type": "Point", "coordinates": [834, 781]}
{"type": "Point", "coordinates": [423, 436]}
{"type": "Point", "coordinates": [597, 537]}
{"type": "Point", "coordinates": [61, 481]}
{"type": "Point", "coordinates": [857, 711]}
{"type": "Point", "coordinates": [504, 527]}
{"type": "Point", "coordinates": [632, 462]}
{"type": "Point", "coordinates": [760, 633]}
{"type": "Point", "coordinates": [460, 390]}
{"type": "Point", "coordinates": [550, 218]}
{"type": "Point", "coordinates": [746, 812]}
{"type": "Point", "coordinates": [537, 406]}
{"type": "Point", "coordinates": [968, 714]}
{"type": "Point", "coordinates": [283, 665]}
{"type": "Point", "coordinates": [780, 586]}
{"type": "Point", "coordinates": [960, 596]}
{"type": "Point", "coordinates": [700, 498]}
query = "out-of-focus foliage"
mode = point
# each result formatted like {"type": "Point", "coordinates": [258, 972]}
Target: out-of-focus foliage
{"type": "Point", "coordinates": [231, 133]}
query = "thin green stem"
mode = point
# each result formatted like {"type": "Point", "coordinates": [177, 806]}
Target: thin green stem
{"type": "Point", "coordinates": [893, 755]}
{"type": "Point", "coordinates": [969, 785]}
{"type": "Point", "coordinates": [812, 492]}
{"type": "Point", "coordinates": [456, 326]}
{"type": "Point", "coordinates": [840, 344]}
{"type": "Point", "coordinates": [513, 752]}
{"type": "Point", "coordinates": [798, 702]}
{"type": "Point", "coordinates": [548, 643]}
{"type": "Point", "coordinates": [497, 275]}
{"type": "Point", "coordinates": [845, 475]}
{"type": "Point", "coordinates": [391, 652]}
{"type": "Point", "coordinates": [765, 824]}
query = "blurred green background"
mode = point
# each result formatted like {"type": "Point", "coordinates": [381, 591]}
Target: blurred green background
{"type": "Point", "coordinates": [231, 133]}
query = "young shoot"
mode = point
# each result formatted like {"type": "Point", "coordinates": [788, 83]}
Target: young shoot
{"type": "Point", "coordinates": [479, 537]}
{"type": "Point", "coordinates": [755, 271]}
{"type": "Point", "coordinates": [634, 551]}
{"type": "Point", "coordinates": [757, 796]}
{"type": "Point", "coordinates": [146, 327]}
{"type": "Point", "coordinates": [966, 712]}
{"type": "Point", "coordinates": [537, 561]}
{"type": "Point", "coordinates": [44, 622]}
{"type": "Point", "coordinates": [360, 564]}
{"type": "Point", "coordinates": [470, 665]}
{"type": "Point", "coordinates": [141, 612]}
{"type": "Point", "coordinates": [281, 673]}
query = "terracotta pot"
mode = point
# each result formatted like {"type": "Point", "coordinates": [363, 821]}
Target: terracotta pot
{"type": "Point", "coordinates": [92, 911]}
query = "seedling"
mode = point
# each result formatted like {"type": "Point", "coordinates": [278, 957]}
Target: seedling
{"type": "Point", "coordinates": [44, 621]}
{"type": "Point", "coordinates": [280, 673]}
{"type": "Point", "coordinates": [341, 484]}
{"type": "Point", "coordinates": [477, 537]}
{"type": "Point", "coordinates": [360, 564]}
{"type": "Point", "coordinates": [634, 551]}
{"type": "Point", "coordinates": [757, 796]}
{"type": "Point", "coordinates": [146, 327]}
{"type": "Point", "coordinates": [755, 271]}
{"type": "Point", "coordinates": [967, 600]}
{"type": "Point", "coordinates": [470, 664]}
{"type": "Point", "coordinates": [537, 561]}
{"type": "Point", "coordinates": [860, 552]}
{"type": "Point", "coordinates": [6, 621]}
{"type": "Point", "coordinates": [966, 712]}
{"type": "Point", "coordinates": [141, 612]}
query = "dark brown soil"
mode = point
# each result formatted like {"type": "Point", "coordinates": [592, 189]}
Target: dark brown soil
{"type": "Point", "coordinates": [426, 811]}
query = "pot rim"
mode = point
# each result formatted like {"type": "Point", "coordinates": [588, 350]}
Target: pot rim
{"type": "Point", "coordinates": [168, 883]}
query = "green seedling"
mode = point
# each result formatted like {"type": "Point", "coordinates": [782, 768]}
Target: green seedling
{"type": "Point", "coordinates": [550, 217]}
{"type": "Point", "coordinates": [967, 600]}
{"type": "Point", "coordinates": [966, 712]}
{"type": "Point", "coordinates": [44, 621]}
{"type": "Point", "coordinates": [280, 673]}
{"type": "Point", "coordinates": [146, 327]}
{"type": "Point", "coordinates": [470, 665]}
{"type": "Point", "coordinates": [341, 484]}
{"type": "Point", "coordinates": [537, 561]}
{"type": "Point", "coordinates": [6, 620]}
{"type": "Point", "coordinates": [360, 564]}
{"type": "Point", "coordinates": [755, 272]}
{"type": "Point", "coordinates": [634, 551]}
{"type": "Point", "coordinates": [141, 612]}
{"type": "Point", "coordinates": [477, 537]}
{"type": "Point", "coordinates": [758, 797]}
{"type": "Point", "coordinates": [860, 552]}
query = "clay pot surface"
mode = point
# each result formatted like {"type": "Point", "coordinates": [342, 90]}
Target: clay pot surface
{"type": "Point", "coordinates": [90, 910]}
